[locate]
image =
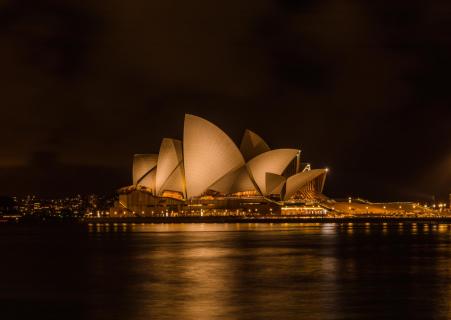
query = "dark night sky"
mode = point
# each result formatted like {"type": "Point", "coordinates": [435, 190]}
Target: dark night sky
{"type": "Point", "coordinates": [362, 87]}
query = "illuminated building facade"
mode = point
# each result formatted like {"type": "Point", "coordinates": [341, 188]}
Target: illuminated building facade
{"type": "Point", "coordinates": [207, 171]}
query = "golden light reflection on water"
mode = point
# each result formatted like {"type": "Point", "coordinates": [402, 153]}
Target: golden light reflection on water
{"type": "Point", "coordinates": [203, 271]}
{"type": "Point", "coordinates": [219, 271]}
{"type": "Point", "coordinates": [204, 281]}
{"type": "Point", "coordinates": [385, 228]}
{"type": "Point", "coordinates": [443, 228]}
{"type": "Point", "coordinates": [328, 228]}
{"type": "Point", "coordinates": [414, 229]}
{"type": "Point", "coordinates": [306, 228]}
{"type": "Point", "coordinates": [228, 271]}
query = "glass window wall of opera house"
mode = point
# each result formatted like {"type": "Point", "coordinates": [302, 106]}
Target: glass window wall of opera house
{"type": "Point", "coordinates": [208, 174]}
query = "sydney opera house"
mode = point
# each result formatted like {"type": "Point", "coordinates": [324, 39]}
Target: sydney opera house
{"type": "Point", "coordinates": [207, 172]}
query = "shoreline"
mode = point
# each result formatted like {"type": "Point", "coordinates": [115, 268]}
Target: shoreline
{"type": "Point", "coordinates": [224, 220]}
{"type": "Point", "coordinates": [277, 220]}
{"type": "Point", "coordinates": [264, 220]}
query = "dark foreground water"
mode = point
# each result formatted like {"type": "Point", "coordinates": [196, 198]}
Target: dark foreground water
{"type": "Point", "coordinates": [226, 271]}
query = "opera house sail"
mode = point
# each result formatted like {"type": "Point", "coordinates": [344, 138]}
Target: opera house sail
{"type": "Point", "coordinates": [209, 155]}
{"type": "Point", "coordinates": [206, 170]}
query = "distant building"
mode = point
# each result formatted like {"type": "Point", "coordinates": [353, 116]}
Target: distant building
{"type": "Point", "coordinates": [207, 171]}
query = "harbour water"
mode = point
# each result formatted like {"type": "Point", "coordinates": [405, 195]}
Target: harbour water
{"type": "Point", "coordinates": [226, 271]}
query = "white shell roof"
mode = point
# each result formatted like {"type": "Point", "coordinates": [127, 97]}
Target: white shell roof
{"type": "Point", "coordinates": [225, 184]}
{"type": "Point", "coordinates": [274, 183]}
{"type": "Point", "coordinates": [235, 181]}
{"type": "Point", "coordinates": [209, 159]}
{"type": "Point", "coordinates": [298, 181]}
{"type": "Point", "coordinates": [253, 145]}
{"type": "Point", "coordinates": [275, 161]}
{"type": "Point", "coordinates": [142, 165]}
{"type": "Point", "coordinates": [170, 161]}
{"type": "Point", "coordinates": [209, 154]}
{"type": "Point", "coordinates": [175, 182]}
{"type": "Point", "coordinates": [149, 181]}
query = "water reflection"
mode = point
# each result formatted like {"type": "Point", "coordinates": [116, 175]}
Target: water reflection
{"type": "Point", "coordinates": [228, 271]}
